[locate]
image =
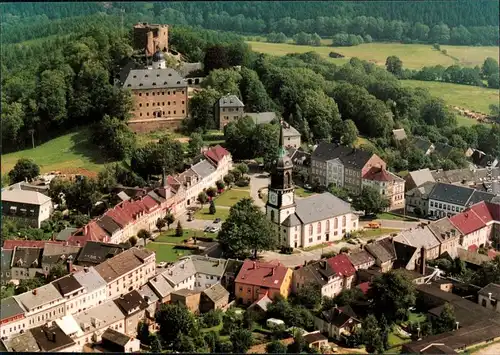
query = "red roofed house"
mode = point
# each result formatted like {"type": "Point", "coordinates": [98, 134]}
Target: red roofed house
{"type": "Point", "coordinates": [258, 278]}
{"type": "Point", "coordinates": [490, 215]}
{"type": "Point", "coordinates": [221, 158]}
{"type": "Point", "coordinates": [473, 228]}
{"type": "Point", "coordinates": [344, 268]}
{"type": "Point", "coordinates": [388, 184]}
{"type": "Point", "coordinates": [11, 244]}
{"type": "Point", "coordinates": [90, 232]}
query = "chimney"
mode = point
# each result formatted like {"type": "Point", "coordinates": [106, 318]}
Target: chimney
{"type": "Point", "coordinates": [51, 336]}
{"type": "Point", "coordinates": [86, 269]}
{"type": "Point", "coordinates": [34, 291]}
{"type": "Point", "coordinates": [254, 265]}
{"type": "Point", "coordinates": [69, 264]}
{"type": "Point", "coordinates": [453, 232]}
{"type": "Point", "coordinates": [448, 234]}
{"type": "Point", "coordinates": [163, 178]}
{"type": "Point", "coordinates": [422, 261]}
{"type": "Point", "coordinates": [272, 271]}
{"type": "Point", "coordinates": [489, 296]}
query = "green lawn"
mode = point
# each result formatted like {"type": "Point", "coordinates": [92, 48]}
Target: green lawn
{"type": "Point", "coordinates": [414, 56]}
{"type": "Point", "coordinates": [170, 237]}
{"type": "Point", "coordinates": [71, 153]}
{"type": "Point", "coordinates": [417, 317]}
{"type": "Point", "coordinates": [473, 98]}
{"type": "Point", "coordinates": [371, 233]}
{"type": "Point", "coordinates": [301, 192]}
{"type": "Point", "coordinates": [166, 252]}
{"type": "Point", "coordinates": [221, 213]}
{"type": "Point", "coordinates": [230, 197]}
{"type": "Point", "coordinates": [393, 217]}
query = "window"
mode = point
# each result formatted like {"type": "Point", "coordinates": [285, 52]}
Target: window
{"type": "Point", "coordinates": [140, 105]}
{"type": "Point", "coordinates": [168, 103]}
{"type": "Point", "coordinates": [147, 94]}
{"type": "Point", "coordinates": [153, 93]}
{"type": "Point", "coordinates": [328, 225]}
{"type": "Point", "coordinates": [147, 105]}
{"type": "Point", "coordinates": [310, 229]}
{"type": "Point", "coordinates": [335, 223]}
{"type": "Point", "coordinates": [318, 227]}
{"type": "Point", "coordinates": [343, 221]}
{"type": "Point", "coordinates": [182, 111]}
{"type": "Point", "coordinates": [140, 94]}
{"type": "Point", "coordinates": [174, 112]}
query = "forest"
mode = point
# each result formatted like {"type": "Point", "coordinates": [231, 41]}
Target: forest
{"type": "Point", "coordinates": [464, 22]}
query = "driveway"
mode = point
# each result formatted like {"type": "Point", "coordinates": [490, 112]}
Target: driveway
{"type": "Point", "coordinates": [258, 181]}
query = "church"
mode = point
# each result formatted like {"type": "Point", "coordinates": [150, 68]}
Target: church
{"type": "Point", "coordinates": [305, 222]}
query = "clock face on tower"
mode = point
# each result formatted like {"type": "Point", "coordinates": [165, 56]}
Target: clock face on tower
{"type": "Point", "coordinates": [287, 200]}
{"type": "Point", "coordinates": [273, 198]}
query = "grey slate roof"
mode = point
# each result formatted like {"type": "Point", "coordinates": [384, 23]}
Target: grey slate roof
{"type": "Point", "coordinates": [203, 168]}
{"type": "Point", "coordinates": [441, 226]}
{"type": "Point", "coordinates": [90, 279]}
{"type": "Point", "coordinates": [160, 285]}
{"type": "Point", "coordinates": [443, 149]}
{"type": "Point", "coordinates": [148, 294]}
{"type": "Point", "coordinates": [65, 233]}
{"type": "Point", "coordinates": [320, 207]}
{"type": "Point", "coordinates": [108, 224]}
{"type": "Point", "coordinates": [299, 157]}
{"type": "Point", "coordinates": [44, 295]}
{"type": "Point", "coordinates": [107, 313]}
{"type": "Point", "coordinates": [209, 266]}
{"type": "Point", "coordinates": [382, 250]}
{"type": "Point", "coordinates": [421, 191]}
{"type": "Point", "coordinates": [216, 292]}
{"type": "Point", "coordinates": [421, 176]}
{"type": "Point", "coordinates": [418, 237]}
{"type": "Point", "coordinates": [180, 271]}
{"type": "Point", "coordinates": [318, 272]}
{"type": "Point", "coordinates": [23, 196]}
{"type": "Point", "coordinates": [26, 257]}
{"type": "Point", "coordinates": [478, 196]}
{"type": "Point", "coordinates": [422, 143]}
{"type": "Point", "coordinates": [52, 253]}
{"type": "Point", "coordinates": [67, 285]}
{"type": "Point", "coordinates": [24, 342]}
{"type": "Point", "coordinates": [448, 193]}
{"type": "Point", "coordinates": [230, 101]}
{"type": "Point", "coordinates": [261, 117]}
{"type": "Point", "coordinates": [10, 308]}
{"type": "Point", "coordinates": [350, 157]}
{"type": "Point", "coordinates": [154, 79]}
{"type": "Point", "coordinates": [187, 68]}
{"type": "Point", "coordinates": [492, 288]}
{"type": "Point", "coordinates": [360, 258]}
{"type": "Point", "coordinates": [115, 337]}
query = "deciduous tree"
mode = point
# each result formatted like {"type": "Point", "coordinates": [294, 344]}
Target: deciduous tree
{"type": "Point", "coordinates": [24, 169]}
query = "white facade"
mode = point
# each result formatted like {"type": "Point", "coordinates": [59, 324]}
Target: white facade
{"type": "Point", "coordinates": [93, 296]}
{"type": "Point", "coordinates": [443, 209]}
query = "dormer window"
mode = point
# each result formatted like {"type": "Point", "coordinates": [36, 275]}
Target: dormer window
{"type": "Point", "coordinates": [169, 74]}
{"type": "Point", "coordinates": [157, 75]}
{"type": "Point", "coordinates": [140, 84]}
{"type": "Point", "coordinates": [178, 82]}
{"type": "Point", "coordinates": [146, 75]}
{"type": "Point", "coordinates": [164, 83]}
{"type": "Point", "coordinates": [154, 84]}
{"type": "Point", "coordinates": [129, 85]}
{"type": "Point", "coordinates": [135, 76]}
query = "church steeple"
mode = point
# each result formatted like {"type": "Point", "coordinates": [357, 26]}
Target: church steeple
{"type": "Point", "coordinates": [281, 176]}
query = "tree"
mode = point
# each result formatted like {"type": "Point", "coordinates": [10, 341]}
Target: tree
{"type": "Point", "coordinates": [349, 133]}
{"type": "Point", "coordinates": [195, 144]}
{"type": "Point", "coordinates": [29, 284]}
{"type": "Point", "coordinates": [494, 81]}
{"type": "Point", "coordinates": [202, 108]}
{"type": "Point", "coordinates": [225, 81]}
{"type": "Point", "coordinates": [160, 224]}
{"type": "Point", "coordinates": [242, 168]}
{"type": "Point", "coordinates": [309, 295]}
{"type": "Point", "coordinates": [489, 67]}
{"type": "Point", "coordinates": [348, 297]}
{"type": "Point", "coordinates": [339, 192]}
{"type": "Point", "coordinates": [144, 235]}
{"type": "Point", "coordinates": [151, 159]}
{"type": "Point", "coordinates": [24, 169]}
{"type": "Point", "coordinates": [143, 332]}
{"type": "Point", "coordinates": [253, 92]}
{"type": "Point", "coordinates": [57, 271]}
{"type": "Point", "coordinates": [155, 343]}
{"type": "Point", "coordinates": [169, 219]}
{"type": "Point", "coordinates": [211, 192]}
{"type": "Point", "coordinates": [488, 273]}
{"type": "Point", "coordinates": [173, 320]}
{"type": "Point", "coordinates": [446, 320]}
{"type": "Point", "coordinates": [82, 195]}
{"type": "Point", "coordinates": [298, 345]}
{"type": "Point", "coordinates": [114, 137]}
{"type": "Point", "coordinates": [220, 185]}
{"type": "Point", "coordinates": [212, 209]}
{"type": "Point", "coordinates": [216, 57]}
{"type": "Point", "coordinates": [370, 201]}
{"type": "Point", "coordinates": [276, 347]}
{"type": "Point", "coordinates": [372, 335]}
{"type": "Point", "coordinates": [179, 232]}
{"type": "Point", "coordinates": [133, 240]}
{"type": "Point", "coordinates": [202, 198]}
{"type": "Point", "coordinates": [394, 65]}
{"type": "Point", "coordinates": [393, 294]}
{"type": "Point", "coordinates": [246, 230]}
{"type": "Point", "coordinates": [384, 331]}
{"type": "Point", "coordinates": [229, 178]}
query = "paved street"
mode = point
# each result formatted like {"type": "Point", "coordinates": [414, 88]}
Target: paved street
{"type": "Point", "coordinates": [392, 224]}
{"type": "Point", "coordinates": [258, 181]}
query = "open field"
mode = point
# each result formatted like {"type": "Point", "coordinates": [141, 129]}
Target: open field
{"type": "Point", "coordinates": [71, 153]}
{"type": "Point", "coordinates": [170, 237]}
{"type": "Point", "coordinates": [204, 214]}
{"type": "Point", "coordinates": [414, 56]}
{"type": "Point", "coordinates": [470, 97]}
{"type": "Point", "coordinates": [230, 197]}
{"type": "Point", "coordinates": [166, 252]}
{"type": "Point", "coordinates": [376, 232]}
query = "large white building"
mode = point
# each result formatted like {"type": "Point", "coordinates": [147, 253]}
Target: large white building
{"type": "Point", "coordinates": [308, 221]}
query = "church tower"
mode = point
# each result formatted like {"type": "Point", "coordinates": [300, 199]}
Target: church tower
{"type": "Point", "coordinates": [159, 60]}
{"type": "Point", "coordinates": [280, 197]}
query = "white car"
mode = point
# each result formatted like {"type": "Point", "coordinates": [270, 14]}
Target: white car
{"type": "Point", "coordinates": [214, 229]}
{"type": "Point", "coordinates": [162, 264]}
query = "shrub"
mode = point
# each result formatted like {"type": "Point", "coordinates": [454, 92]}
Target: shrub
{"type": "Point", "coordinates": [335, 55]}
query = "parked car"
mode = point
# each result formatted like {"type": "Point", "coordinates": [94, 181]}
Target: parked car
{"type": "Point", "coordinates": [217, 220]}
{"type": "Point", "coordinates": [162, 264]}
{"type": "Point", "coordinates": [214, 229]}
{"type": "Point", "coordinates": [207, 228]}
{"type": "Point", "coordinates": [373, 225]}
{"type": "Point", "coordinates": [433, 218]}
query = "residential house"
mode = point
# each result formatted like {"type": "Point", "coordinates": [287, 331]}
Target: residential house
{"type": "Point", "coordinates": [418, 178]}
{"type": "Point", "coordinates": [94, 253]}
{"type": "Point", "coordinates": [232, 268]}
{"type": "Point", "coordinates": [133, 307]}
{"type": "Point", "coordinates": [189, 298]}
{"type": "Point", "coordinates": [180, 275]}
{"type": "Point", "coordinates": [117, 342]}
{"type": "Point", "coordinates": [214, 297]}
{"type": "Point", "coordinates": [51, 338]}
{"type": "Point", "coordinates": [257, 278]}
{"type": "Point", "coordinates": [291, 137]}
{"type": "Point", "coordinates": [260, 306]}
{"type": "Point", "coordinates": [5, 268]}
{"type": "Point", "coordinates": [161, 287]}
{"type": "Point", "coordinates": [318, 273]}
{"type": "Point", "coordinates": [127, 271]}
{"type": "Point", "coordinates": [417, 199]}
{"type": "Point", "coordinates": [337, 321]}
{"type": "Point", "coordinates": [229, 108]}
{"type": "Point", "coordinates": [448, 235]}
{"type": "Point", "coordinates": [388, 185]}
{"type": "Point", "coordinates": [64, 235]}
{"type": "Point", "coordinates": [95, 290]}
{"type": "Point", "coordinates": [72, 291]}
{"type": "Point", "coordinates": [30, 207]}
{"type": "Point", "coordinates": [190, 181]}
{"type": "Point", "coordinates": [152, 300]}
{"type": "Point", "coordinates": [466, 176]}
{"type": "Point", "coordinates": [489, 297]}
{"type": "Point", "coordinates": [472, 227]}
{"type": "Point", "coordinates": [26, 263]}
{"type": "Point", "coordinates": [423, 145]}
{"type": "Point", "coordinates": [24, 342]}
{"type": "Point", "coordinates": [383, 252]}
{"type": "Point", "coordinates": [12, 317]}
{"type": "Point", "coordinates": [481, 159]}
{"type": "Point", "coordinates": [301, 161]}
{"type": "Point", "coordinates": [41, 305]}
{"type": "Point", "coordinates": [361, 259]}
{"type": "Point", "coordinates": [420, 237]}
{"type": "Point", "coordinates": [94, 322]}
{"type": "Point", "coordinates": [343, 268]}
{"type": "Point", "coordinates": [54, 254]}
{"type": "Point", "coordinates": [316, 340]}
{"type": "Point", "coordinates": [221, 158]}
{"type": "Point", "coordinates": [399, 134]}
{"type": "Point", "coordinates": [209, 271]}
{"type": "Point", "coordinates": [443, 149]}
{"type": "Point", "coordinates": [342, 166]}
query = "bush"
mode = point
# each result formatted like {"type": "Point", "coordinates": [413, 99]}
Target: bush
{"type": "Point", "coordinates": [243, 182]}
{"type": "Point", "coordinates": [328, 255]}
{"type": "Point", "coordinates": [335, 55]}
{"type": "Point", "coordinates": [212, 318]}
{"type": "Point", "coordinates": [286, 250]}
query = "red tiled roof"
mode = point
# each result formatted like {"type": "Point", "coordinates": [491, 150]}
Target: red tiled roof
{"type": "Point", "coordinates": [378, 174]}
{"type": "Point", "coordinates": [342, 265]}
{"type": "Point", "coordinates": [482, 211]}
{"type": "Point", "coordinates": [494, 209]}
{"type": "Point", "coordinates": [90, 232]}
{"type": "Point", "coordinates": [149, 203]}
{"type": "Point", "coordinates": [216, 154]}
{"type": "Point", "coordinates": [270, 275]}
{"type": "Point", "coordinates": [467, 221]}
{"type": "Point", "coordinates": [473, 248]}
{"type": "Point", "coordinates": [11, 244]}
{"type": "Point", "coordinates": [364, 287]}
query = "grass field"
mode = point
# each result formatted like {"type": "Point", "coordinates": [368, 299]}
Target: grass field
{"type": "Point", "coordinates": [166, 252]}
{"type": "Point", "coordinates": [471, 97]}
{"type": "Point", "coordinates": [170, 237]}
{"type": "Point", "coordinates": [414, 56]}
{"type": "Point", "coordinates": [393, 217]}
{"type": "Point", "coordinates": [231, 197]}
{"type": "Point", "coordinates": [70, 153]}
{"type": "Point", "coordinates": [221, 213]}
{"type": "Point", "coordinates": [372, 233]}
{"type": "Point", "coordinates": [300, 192]}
